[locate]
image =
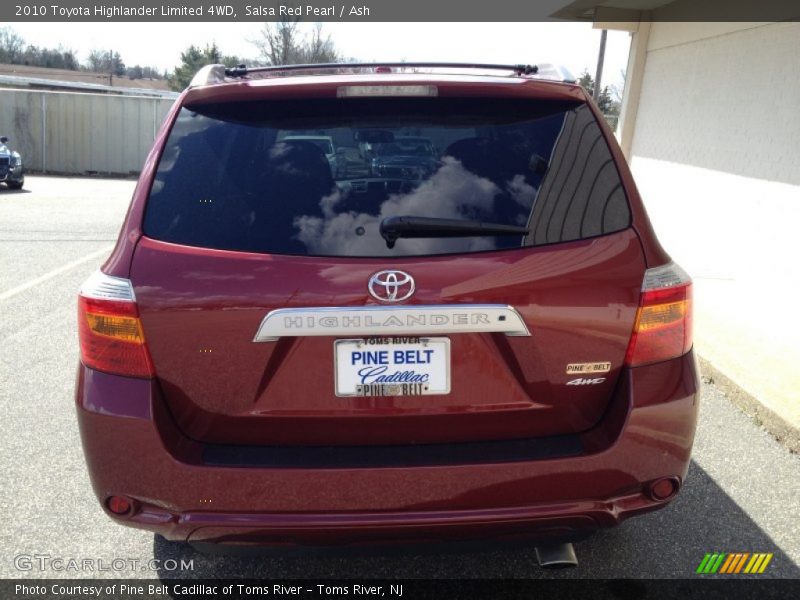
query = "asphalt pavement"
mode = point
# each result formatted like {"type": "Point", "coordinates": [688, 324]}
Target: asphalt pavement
{"type": "Point", "coordinates": [742, 493]}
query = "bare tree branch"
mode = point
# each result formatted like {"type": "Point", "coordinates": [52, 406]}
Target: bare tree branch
{"type": "Point", "coordinates": [282, 43]}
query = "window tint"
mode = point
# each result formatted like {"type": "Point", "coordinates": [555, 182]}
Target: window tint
{"type": "Point", "coordinates": [318, 177]}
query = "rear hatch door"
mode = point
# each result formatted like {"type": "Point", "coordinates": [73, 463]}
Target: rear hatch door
{"type": "Point", "coordinates": [528, 332]}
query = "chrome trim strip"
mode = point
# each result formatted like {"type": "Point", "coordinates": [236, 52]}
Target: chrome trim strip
{"type": "Point", "coordinates": [428, 320]}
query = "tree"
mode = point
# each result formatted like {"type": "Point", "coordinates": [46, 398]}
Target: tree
{"type": "Point", "coordinates": [140, 72]}
{"type": "Point", "coordinates": [586, 81]}
{"type": "Point", "coordinates": [117, 66]}
{"type": "Point", "coordinates": [135, 72]}
{"type": "Point", "coordinates": [282, 43]}
{"type": "Point", "coordinates": [152, 73]}
{"type": "Point", "coordinates": [320, 48]}
{"type": "Point", "coordinates": [13, 50]}
{"type": "Point", "coordinates": [618, 90]}
{"type": "Point", "coordinates": [605, 102]}
{"type": "Point", "coordinates": [95, 61]}
{"type": "Point", "coordinates": [609, 101]}
{"type": "Point", "coordinates": [105, 61]}
{"type": "Point", "coordinates": [11, 45]}
{"type": "Point", "coordinates": [54, 58]}
{"type": "Point", "coordinates": [193, 58]}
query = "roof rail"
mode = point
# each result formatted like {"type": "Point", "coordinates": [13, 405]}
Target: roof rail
{"type": "Point", "coordinates": [208, 75]}
{"type": "Point", "coordinates": [242, 70]}
{"type": "Point", "coordinates": [212, 74]}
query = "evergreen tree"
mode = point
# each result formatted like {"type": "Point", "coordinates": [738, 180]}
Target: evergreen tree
{"type": "Point", "coordinates": [193, 58]}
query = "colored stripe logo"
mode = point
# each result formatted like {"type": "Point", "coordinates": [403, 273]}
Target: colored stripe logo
{"type": "Point", "coordinates": [734, 563]}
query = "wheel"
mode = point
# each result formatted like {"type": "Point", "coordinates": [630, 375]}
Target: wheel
{"type": "Point", "coordinates": [15, 185]}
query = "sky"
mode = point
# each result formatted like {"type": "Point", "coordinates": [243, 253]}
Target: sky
{"type": "Point", "coordinates": [574, 45]}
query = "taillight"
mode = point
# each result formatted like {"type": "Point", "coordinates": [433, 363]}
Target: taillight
{"type": "Point", "coordinates": [663, 327]}
{"type": "Point", "coordinates": [110, 331]}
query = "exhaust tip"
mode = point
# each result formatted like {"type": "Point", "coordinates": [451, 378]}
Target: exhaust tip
{"type": "Point", "coordinates": [556, 556]}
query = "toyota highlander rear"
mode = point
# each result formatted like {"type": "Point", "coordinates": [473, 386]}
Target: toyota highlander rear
{"type": "Point", "coordinates": [461, 326]}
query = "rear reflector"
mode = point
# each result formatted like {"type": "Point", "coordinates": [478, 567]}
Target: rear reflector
{"type": "Point", "coordinates": [111, 334]}
{"type": "Point", "coordinates": [664, 488]}
{"type": "Point", "coordinates": [119, 505]}
{"type": "Point", "coordinates": [663, 326]}
{"type": "Point", "coordinates": [361, 91]}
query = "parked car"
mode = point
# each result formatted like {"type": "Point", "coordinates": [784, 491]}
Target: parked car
{"type": "Point", "coordinates": [336, 156]}
{"type": "Point", "coordinates": [403, 160]}
{"type": "Point", "coordinates": [270, 356]}
{"type": "Point", "coordinates": [368, 139]}
{"type": "Point", "coordinates": [416, 144]}
{"type": "Point", "coordinates": [11, 169]}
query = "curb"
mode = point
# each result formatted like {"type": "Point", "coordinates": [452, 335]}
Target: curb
{"type": "Point", "coordinates": [787, 434]}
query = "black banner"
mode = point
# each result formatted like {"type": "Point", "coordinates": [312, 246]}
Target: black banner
{"type": "Point", "coordinates": [406, 589]}
{"type": "Point", "coordinates": [399, 11]}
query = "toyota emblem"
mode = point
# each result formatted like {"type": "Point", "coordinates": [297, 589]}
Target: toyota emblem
{"type": "Point", "coordinates": [391, 286]}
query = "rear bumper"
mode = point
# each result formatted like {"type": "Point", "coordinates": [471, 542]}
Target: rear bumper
{"type": "Point", "coordinates": [133, 449]}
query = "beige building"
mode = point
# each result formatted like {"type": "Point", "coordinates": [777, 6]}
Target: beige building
{"type": "Point", "coordinates": [711, 126]}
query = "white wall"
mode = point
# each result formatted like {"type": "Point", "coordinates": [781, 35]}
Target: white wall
{"type": "Point", "coordinates": [716, 155]}
{"type": "Point", "coordinates": [76, 133]}
{"type": "Point", "coordinates": [736, 94]}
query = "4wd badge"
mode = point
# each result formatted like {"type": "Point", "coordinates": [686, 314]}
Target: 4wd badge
{"type": "Point", "coordinates": [586, 381]}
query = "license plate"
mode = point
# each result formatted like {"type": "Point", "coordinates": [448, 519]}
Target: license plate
{"type": "Point", "coordinates": [398, 366]}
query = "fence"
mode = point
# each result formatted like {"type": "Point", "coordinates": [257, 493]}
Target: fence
{"type": "Point", "coordinates": [76, 133]}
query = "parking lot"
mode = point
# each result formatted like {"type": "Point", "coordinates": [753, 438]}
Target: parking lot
{"type": "Point", "coordinates": [741, 495]}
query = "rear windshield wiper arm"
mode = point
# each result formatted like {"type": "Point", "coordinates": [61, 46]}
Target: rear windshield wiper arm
{"type": "Point", "coordinates": [393, 228]}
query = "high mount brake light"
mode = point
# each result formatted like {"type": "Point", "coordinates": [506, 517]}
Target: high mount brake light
{"type": "Point", "coordinates": [110, 331]}
{"type": "Point", "coordinates": [362, 91]}
{"type": "Point", "coordinates": [663, 326]}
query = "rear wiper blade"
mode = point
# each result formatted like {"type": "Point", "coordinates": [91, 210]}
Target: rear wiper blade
{"type": "Point", "coordinates": [394, 228]}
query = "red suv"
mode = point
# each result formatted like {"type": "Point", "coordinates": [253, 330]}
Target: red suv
{"type": "Point", "coordinates": [484, 340]}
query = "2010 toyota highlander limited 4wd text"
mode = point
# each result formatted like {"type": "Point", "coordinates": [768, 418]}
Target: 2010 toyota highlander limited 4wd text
{"type": "Point", "coordinates": [480, 337]}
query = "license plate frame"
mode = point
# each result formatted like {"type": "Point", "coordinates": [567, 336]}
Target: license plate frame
{"type": "Point", "coordinates": [439, 384]}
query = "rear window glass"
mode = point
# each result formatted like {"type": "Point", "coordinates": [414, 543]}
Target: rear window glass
{"type": "Point", "coordinates": [318, 177]}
